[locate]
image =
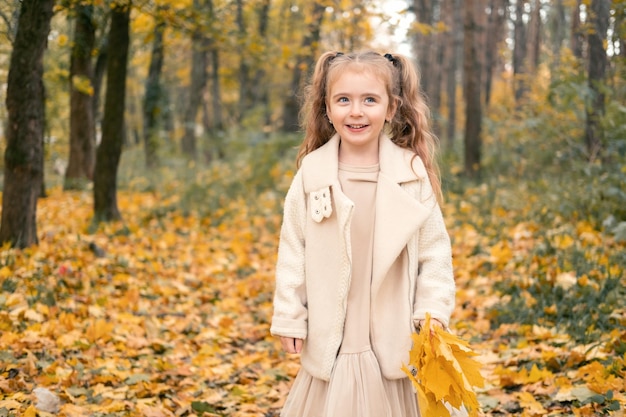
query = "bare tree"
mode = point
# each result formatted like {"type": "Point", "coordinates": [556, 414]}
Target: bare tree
{"type": "Point", "coordinates": [23, 157]}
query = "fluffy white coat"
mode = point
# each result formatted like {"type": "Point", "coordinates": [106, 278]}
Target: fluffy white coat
{"type": "Point", "coordinates": [412, 263]}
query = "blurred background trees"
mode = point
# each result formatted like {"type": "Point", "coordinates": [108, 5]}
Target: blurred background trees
{"type": "Point", "coordinates": [207, 80]}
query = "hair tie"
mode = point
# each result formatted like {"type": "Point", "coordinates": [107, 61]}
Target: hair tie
{"type": "Point", "coordinates": [391, 58]}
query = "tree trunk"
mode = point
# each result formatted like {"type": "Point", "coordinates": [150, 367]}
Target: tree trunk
{"type": "Point", "coordinates": [599, 20]}
{"type": "Point", "coordinates": [259, 84]}
{"type": "Point", "coordinates": [436, 76]}
{"type": "Point", "coordinates": [557, 29]}
{"type": "Point", "coordinates": [110, 149]}
{"type": "Point", "coordinates": [618, 38]}
{"type": "Point", "coordinates": [199, 46]}
{"type": "Point", "coordinates": [98, 73]}
{"type": "Point", "coordinates": [519, 50]}
{"type": "Point", "coordinates": [577, 37]}
{"type": "Point", "coordinates": [472, 89]}
{"type": "Point", "coordinates": [534, 37]}
{"type": "Point", "coordinates": [480, 16]}
{"type": "Point", "coordinates": [218, 121]}
{"type": "Point", "coordinates": [23, 157]}
{"type": "Point", "coordinates": [304, 63]}
{"type": "Point", "coordinates": [495, 36]}
{"type": "Point", "coordinates": [98, 77]}
{"type": "Point", "coordinates": [423, 44]}
{"type": "Point", "coordinates": [449, 70]}
{"type": "Point", "coordinates": [244, 67]}
{"type": "Point", "coordinates": [153, 100]}
{"type": "Point", "coordinates": [82, 124]}
{"type": "Point", "coordinates": [454, 18]}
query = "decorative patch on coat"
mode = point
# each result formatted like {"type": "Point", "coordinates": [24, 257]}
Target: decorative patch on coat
{"type": "Point", "coordinates": [320, 204]}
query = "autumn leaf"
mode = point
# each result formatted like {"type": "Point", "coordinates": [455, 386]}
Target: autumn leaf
{"type": "Point", "coordinates": [443, 370]}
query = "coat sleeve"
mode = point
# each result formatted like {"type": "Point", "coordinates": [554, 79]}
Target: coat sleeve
{"type": "Point", "coordinates": [290, 298]}
{"type": "Point", "coordinates": [435, 290]}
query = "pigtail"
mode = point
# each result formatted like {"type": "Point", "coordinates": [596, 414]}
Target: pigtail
{"type": "Point", "coordinates": [410, 126]}
{"type": "Point", "coordinates": [313, 119]}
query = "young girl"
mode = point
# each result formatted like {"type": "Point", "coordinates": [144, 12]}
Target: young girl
{"type": "Point", "coordinates": [364, 253]}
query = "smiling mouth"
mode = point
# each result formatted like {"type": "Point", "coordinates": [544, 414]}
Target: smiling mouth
{"type": "Point", "coordinates": [356, 126]}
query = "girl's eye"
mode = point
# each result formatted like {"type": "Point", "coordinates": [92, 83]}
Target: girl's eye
{"type": "Point", "coordinates": [343, 99]}
{"type": "Point", "coordinates": [370, 100]}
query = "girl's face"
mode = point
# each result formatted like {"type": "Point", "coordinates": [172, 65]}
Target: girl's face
{"type": "Point", "coordinates": [358, 106]}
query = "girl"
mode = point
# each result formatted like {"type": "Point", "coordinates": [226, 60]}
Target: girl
{"type": "Point", "coordinates": [364, 253]}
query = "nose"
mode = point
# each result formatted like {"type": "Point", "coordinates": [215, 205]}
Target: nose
{"type": "Point", "coordinates": [357, 110]}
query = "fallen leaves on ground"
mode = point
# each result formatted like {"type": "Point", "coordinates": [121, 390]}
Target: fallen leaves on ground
{"type": "Point", "coordinates": [170, 318]}
{"type": "Point", "coordinates": [168, 315]}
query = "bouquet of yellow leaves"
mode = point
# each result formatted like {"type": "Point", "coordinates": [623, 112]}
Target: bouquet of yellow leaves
{"type": "Point", "coordinates": [443, 370]}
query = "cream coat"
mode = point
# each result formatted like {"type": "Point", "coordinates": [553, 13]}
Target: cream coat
{"type": "Point", "coordinates": [412, 263]}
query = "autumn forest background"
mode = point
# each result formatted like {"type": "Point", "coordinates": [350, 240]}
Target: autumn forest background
{"type": "Point", "coordinates": [148, 146]}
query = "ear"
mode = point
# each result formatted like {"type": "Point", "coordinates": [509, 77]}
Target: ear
{"type": "Point", "coordinates": [328, 115]}
{"type": "Point", "coordinates": [391, 110]}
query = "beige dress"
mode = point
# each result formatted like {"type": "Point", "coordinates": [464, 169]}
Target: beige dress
{"type": "Point", "coordinates": [357, 387]}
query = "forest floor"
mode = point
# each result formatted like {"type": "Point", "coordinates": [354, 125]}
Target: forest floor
{"type": "Point", "coordinates": [167, 314]}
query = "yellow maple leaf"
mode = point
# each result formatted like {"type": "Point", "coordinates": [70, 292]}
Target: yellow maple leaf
{"type": "Point", "coordinates": [531, 405]}
{"type": "Point", "coordinates": [443, 370]}
{"type": "Point", "coordinates": [31, 411]}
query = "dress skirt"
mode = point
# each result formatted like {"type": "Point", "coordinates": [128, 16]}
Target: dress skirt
{"type": "Point", "coordinates": [356, 387]}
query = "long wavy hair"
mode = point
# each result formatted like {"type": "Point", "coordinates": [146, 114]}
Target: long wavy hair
{"type": "Point", "coordinates": [410, 126]}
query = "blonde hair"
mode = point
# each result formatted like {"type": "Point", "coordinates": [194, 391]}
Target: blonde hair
{"type": "Point", "coordinates": [410, 126]}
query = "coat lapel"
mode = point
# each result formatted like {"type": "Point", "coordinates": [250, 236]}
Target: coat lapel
{"type": "Point", "coordinates": [398, 213]}
{"type": "Point", "coordinates": [321, 166]}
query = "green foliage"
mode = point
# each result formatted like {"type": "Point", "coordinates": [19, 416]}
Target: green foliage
{"type": "Point", "coordinates": [255, 170]}
{"type": "Point", "coordinates": [582, 311]}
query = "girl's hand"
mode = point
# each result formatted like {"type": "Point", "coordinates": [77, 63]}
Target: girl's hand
{"type": "Point", "coordinates": [433, 323]}
{"type": "Point", "coordinates": [291, 344]}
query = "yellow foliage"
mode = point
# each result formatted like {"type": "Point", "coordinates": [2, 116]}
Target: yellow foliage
{"type": "Point", "coordinates": [530, 405]}
{"type": "Point", "coordinates": [62, 40]}
{"type": "Point", "coordinates": [501, 253]}
{"type": "Point", "coordinates": [5, 272]}
{"type": "Point", "coordinates": [82, 84]}
{"type": "Point", "coordinates": [98, 331]}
